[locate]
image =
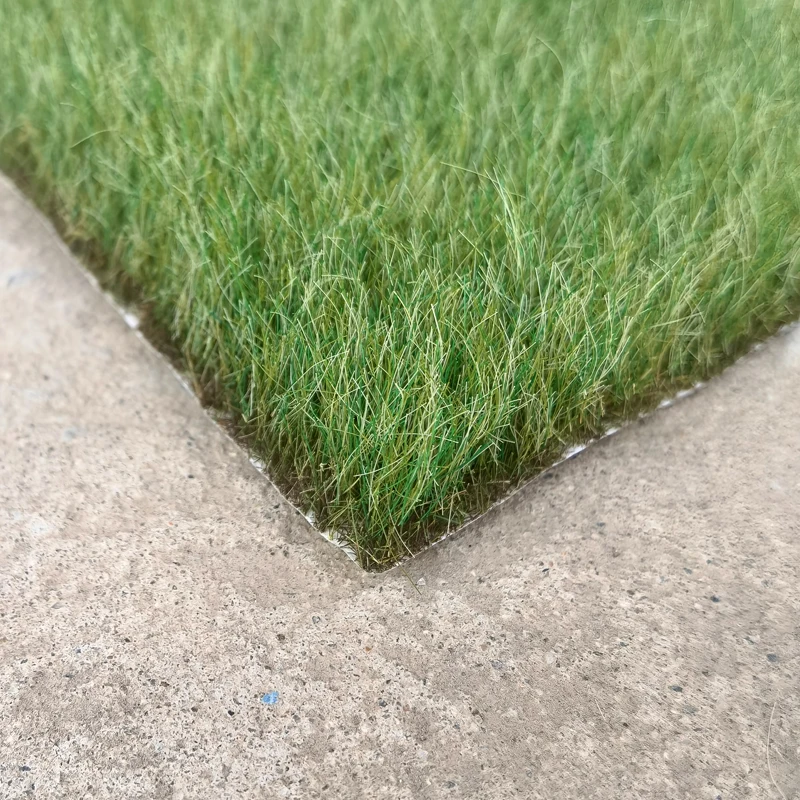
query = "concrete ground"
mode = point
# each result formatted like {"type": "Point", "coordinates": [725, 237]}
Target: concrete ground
{"type": "Point", "coordinates": [624, 627]}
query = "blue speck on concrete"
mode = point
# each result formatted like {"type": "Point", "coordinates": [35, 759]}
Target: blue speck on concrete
{"type": "Point", "coordinates": [270, 698]}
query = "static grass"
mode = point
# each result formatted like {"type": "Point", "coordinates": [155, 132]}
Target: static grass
{"type": "Point", "coordinates": [418, 247]}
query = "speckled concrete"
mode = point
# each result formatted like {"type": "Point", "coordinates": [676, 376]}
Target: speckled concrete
{"type": "Point", "coordinates": [622, 628]}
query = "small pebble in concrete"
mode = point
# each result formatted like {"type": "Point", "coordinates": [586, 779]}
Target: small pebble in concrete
{"type": "Point", "coordinates": [676, 688]}
{"type": "Point", "coordinates": [714, 598]}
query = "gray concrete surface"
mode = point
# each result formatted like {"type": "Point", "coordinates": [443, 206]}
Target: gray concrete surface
{"type": "Point", "coordinates": [623, 628]}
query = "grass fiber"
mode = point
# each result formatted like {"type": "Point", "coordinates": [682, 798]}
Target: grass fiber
{"type": "Point", "coordinates": [418, 247]}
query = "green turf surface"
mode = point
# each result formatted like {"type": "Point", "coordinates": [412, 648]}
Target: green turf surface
{"type": "Point", "coordinates": [417, 247]}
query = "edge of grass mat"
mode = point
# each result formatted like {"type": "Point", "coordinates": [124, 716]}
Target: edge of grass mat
{"type": "Point", "coordinates": [135, 316]}
{"type": "Point", "coordinates": [129, 312]}
{"type": "Point", "coordinates": [576, 450]}
{"type": "Point", "coordinates": [124, 298]}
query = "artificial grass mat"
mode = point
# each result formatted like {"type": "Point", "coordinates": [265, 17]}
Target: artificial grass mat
{"type": "Point", "coordinates": [417, 247]}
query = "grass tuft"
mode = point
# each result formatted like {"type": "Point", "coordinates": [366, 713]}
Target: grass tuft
{"type": "Point", "coordinates": [418, 247]}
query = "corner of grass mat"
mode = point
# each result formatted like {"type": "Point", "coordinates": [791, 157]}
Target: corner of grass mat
{"type": "Point", "coordinates": [419, 248]}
